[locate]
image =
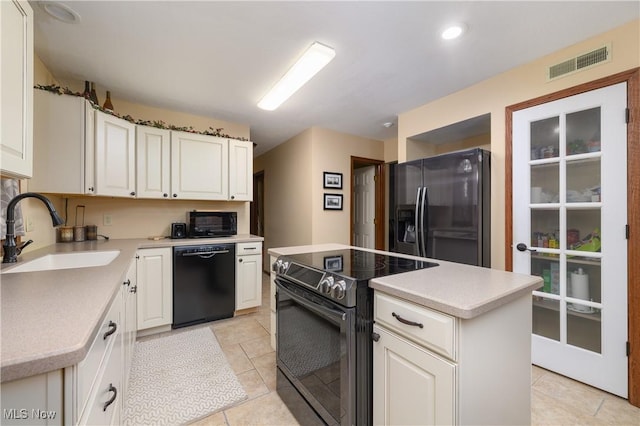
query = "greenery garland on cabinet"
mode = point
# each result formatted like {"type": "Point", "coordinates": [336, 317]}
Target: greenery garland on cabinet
{"type": "Point", "coordinates": [159, 124]}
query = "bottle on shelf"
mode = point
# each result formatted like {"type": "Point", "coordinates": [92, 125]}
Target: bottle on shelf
{"type": "Point", "coordinates": [107, 103]}
{"type": "Point", "coordinates": [94, 96]}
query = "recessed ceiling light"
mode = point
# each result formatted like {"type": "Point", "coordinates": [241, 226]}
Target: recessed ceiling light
{"type": "Point", "coordinates": [313, 60]}
{"type": "Point", "coordinates": [61, 12]}
{"type": "Point", "coordinates": [454, 31]}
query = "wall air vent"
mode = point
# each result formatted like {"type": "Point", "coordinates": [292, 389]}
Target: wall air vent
{"type": "Point", "coordinates": [580, 62]}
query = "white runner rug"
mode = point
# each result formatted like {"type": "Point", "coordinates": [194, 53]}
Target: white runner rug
{"type": "Point", "coordinates": [178, 379]}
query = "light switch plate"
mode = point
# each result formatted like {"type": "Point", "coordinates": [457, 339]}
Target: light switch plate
{"type": "Point", "coordinates": [106, 220]}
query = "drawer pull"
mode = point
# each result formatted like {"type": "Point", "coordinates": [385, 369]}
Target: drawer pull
{"type": "Point", "coordinates": [113, 398]}
{"type": "Point", "coordinates": [112, 329]}
{"type": "Point", "coordinates": [407, 322]}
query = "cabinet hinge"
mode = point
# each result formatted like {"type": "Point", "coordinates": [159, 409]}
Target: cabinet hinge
{"type": "Point", "coordinates": [627, 113]}
{"type": "Point", "coordinates": [628, 349]}
{"type": "Point", "coordinates": [626, 231]}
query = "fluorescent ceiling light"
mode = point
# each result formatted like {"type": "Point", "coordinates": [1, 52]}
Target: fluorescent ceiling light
{"type": "Point", "coordinates": [453, 31]}
{"type": "Point", "coordinates": [312, 61]}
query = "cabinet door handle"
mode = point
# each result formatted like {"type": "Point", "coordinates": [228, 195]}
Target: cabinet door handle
{"type": "Point", "coordinates": [127, 282]}
{"type": "Point", "coordinates": [175, 195]}
{"type": "Point", "coordinates": [165, 195]}
{"type": "Point", "coordinates": [134, 289]}
{"type": "Point", "coordinates": [112, 329]}
{"type": "Point", "coordinates": [91, 188]}
{"type": "Point", "coordinates": [112, 399]}
{"type": "Point", "coordinates": [375, 337]}
{"type": "Point", "coordinates": [240, 259]}
{"type": "Point", "coordinates": [132, 193]}
{"type": "Point", "coordinates": [407, 322]}
{"type": "Point", "coordinates": [233, 197]}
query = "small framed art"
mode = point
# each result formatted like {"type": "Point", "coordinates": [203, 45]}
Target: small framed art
{"type": "Point", "coordinates": [332, 180]}
{"type": "Point", "coordinates": [333, 201]}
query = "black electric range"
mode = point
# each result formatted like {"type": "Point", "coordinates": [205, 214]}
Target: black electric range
{"type": "Point", "coordinates": [324, 311]}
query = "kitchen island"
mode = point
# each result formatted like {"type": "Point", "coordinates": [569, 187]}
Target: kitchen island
{"type": "Point", "coordinates": [451, 344]}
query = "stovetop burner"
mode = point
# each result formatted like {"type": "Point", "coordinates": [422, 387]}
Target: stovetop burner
{"type": "Point", "coordinates": [359, 265]}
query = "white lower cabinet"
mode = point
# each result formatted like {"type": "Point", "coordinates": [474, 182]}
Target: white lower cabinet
{"type": "Point", "coordinates": [35, 400]}
{"type": "Point", "coordinates": [129, 309]}
{"type": "Point", "coordinates": [155, 288]}
{"type": "Point", "coordinates": [412, 385]}
{"type": "Point", "coordinates": [248, 275]}
{"type": "Point", "coordinates": [433, 368]}
{"type": "Point", "coordinates": [91, 392]}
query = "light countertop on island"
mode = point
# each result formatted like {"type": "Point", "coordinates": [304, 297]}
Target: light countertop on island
{"type": "Point", "coordinates": [463, 291]}
{"type": "Point", "coordinates": [50, 318]}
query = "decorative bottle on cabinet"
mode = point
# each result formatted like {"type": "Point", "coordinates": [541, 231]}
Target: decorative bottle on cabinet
{"type": "Point", "coordinates": [107, 103]}
{"type": "Point", "coordinates": [87, 90]}
{"type": "Point", "coordinates": [94, 96]}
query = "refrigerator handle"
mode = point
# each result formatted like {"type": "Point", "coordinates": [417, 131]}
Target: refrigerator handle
{"type": "Point", "coordinates": [424, 224]}
{"type": "Point", "coordinates": [417, 220]}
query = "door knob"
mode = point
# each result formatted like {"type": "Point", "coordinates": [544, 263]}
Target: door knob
{"type": "Point", "coordinates": [523, 247]}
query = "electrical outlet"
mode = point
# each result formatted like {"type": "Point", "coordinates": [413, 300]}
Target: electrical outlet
{"type": "Point", "coordinates": [106, 220]}
{"type": "Point", "coordinates": [28, 224]}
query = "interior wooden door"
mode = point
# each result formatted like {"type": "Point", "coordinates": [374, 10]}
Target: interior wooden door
{"type": "Point", "coordinates": [569, 226]}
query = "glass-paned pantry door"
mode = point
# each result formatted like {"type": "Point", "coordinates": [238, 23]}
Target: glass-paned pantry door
{"type": "Point", "coordinates": [569, 217]}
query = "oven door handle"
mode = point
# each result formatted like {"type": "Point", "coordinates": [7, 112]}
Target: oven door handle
{"type": "Point", "coordinates": [319, 309]}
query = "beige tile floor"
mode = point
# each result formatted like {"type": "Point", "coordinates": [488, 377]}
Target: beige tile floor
{"type": "Point", "coordinates": [556, 400]}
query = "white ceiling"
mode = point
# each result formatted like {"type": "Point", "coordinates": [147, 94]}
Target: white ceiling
{"type": "Point", "coordinates": [218, 59]}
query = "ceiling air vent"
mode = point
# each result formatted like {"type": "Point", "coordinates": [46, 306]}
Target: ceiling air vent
{"type": "Point", "coordinates": [580, 62]}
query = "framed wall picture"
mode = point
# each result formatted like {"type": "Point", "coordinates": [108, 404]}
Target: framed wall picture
{"type": "Point", "coordinates": [332, 180]}
{"type": "Point", "coordinates": [333, 263]}
{"type": "Point", "coordinates": [333, 201]}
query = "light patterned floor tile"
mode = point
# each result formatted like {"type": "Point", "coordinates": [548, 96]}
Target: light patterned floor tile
{"type": "Point", "coordinates": [265, 410]}
{"type": "Point", "coordinates": [237, 358]}
{"type": "Point", "coordinates": [257, 347]}
{"type": "Point", "coordinates": [253, 384]}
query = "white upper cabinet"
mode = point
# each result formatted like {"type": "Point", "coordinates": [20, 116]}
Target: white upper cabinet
{"type": "Point", "coordinates": [153, 162]}
{"type": "Point", "coordinates": [115, 156]}
{"type": "Point", "coordinates": [199, 167]}
{"type": "Point", "coordinates": [240, 170]}
{"type": "Point", "coordinates": [16, 93]}
{"type": "Point", "coordinates": [82, 150]}
{"type": "Point", "coordinates": [64, 152]}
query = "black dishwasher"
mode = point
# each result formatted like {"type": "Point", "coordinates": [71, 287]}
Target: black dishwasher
{"type": "Point", "coordinates": [204, 283]}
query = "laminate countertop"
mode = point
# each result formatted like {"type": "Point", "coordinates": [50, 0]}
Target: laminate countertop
{"type": "Point", "coordinates": [463, 291]}
{"type": "Point", "coordinates": [50, 318]}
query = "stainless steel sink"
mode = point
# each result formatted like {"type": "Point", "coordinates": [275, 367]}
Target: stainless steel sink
{"type": "Point", "coordinates": [83, 259]}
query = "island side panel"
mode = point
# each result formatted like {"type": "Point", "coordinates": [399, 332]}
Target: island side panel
{"type": "Point", "coordinates": [495, 366]}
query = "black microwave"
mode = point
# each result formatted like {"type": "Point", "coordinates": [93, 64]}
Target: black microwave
{"type": "Point", "coordinates": [211, 224]}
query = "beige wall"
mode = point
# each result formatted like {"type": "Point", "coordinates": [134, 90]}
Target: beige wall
{"type": "Point", "coordinates": [131, 218]}
{"type": "Point", "coordinates": [287, 192]}
{"type": "Point", "coordinates": [332, 152]}
{"type": "Point", "coordinates": [293, 184]}
{"type": "Point", "coordinates": [517, 85]}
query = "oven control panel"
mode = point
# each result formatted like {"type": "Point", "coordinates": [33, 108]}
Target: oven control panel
{"type": "Point", "coordinates": [325, 283]}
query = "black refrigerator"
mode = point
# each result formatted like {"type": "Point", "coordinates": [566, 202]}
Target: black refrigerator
{"type": "Point", "coordinates": [442, 207]}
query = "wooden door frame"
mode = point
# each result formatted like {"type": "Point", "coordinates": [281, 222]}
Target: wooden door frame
{"type": "Point", "coordinates": [632, 78]}
{"type": "Point", "coordinates": [379, 194]}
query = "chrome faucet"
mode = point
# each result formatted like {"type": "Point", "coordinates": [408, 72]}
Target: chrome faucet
{"type": "Point", "coordinates": [11, 252]}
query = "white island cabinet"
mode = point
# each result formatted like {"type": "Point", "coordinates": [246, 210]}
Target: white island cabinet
{"type": "Point", "coordinates": [433, 368]}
